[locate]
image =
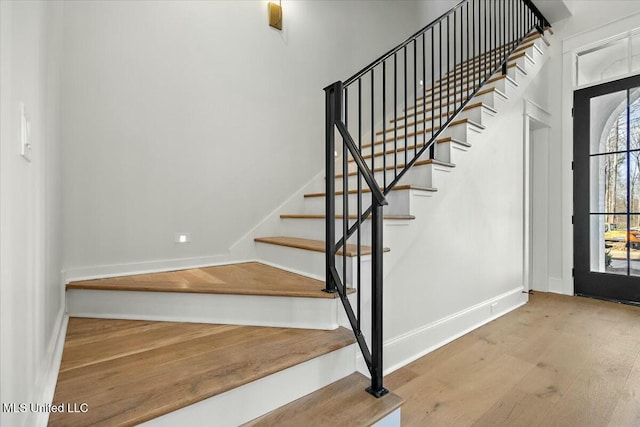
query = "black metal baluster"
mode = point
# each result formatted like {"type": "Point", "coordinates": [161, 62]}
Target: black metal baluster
{"type": "Point", "coordinates": [415, 91]}
{"type": "Point", "coordinates": [345, 192]}
{"type": "Point", "coordinates": [333, 103]}
{"type": "Point", "coordinates": [384, 124]}
{"type": "Point", "coordinates": [503, 29]}
{"type": "Point", "coordinates": [462, 57]}
{"type": "Point", "coordinates": [474, 37]}
{"type": "Point", "coordinates": [376, 388]}
{"type": "Point", "coordinates": [395, 116]}
{"type": "Point", "coordinates": [406, 119]}
{"type": "Point", "coordinates": [433, 83]}
{"type": "Point", "coordinates": [469, 57]}
{"type": "Point", "coordinates": [440, 75]}
{"type": "Point", "coordinates": [494, 46]}
{"type": "Point", "coordinates": [455, 60]}
{"type": "Point", "coordinates": [486, 40]}
{"type": "Point", "coordinates": [359, 203]}
{"type": "Point", "coordinates": [422, 92]}
{"type": "Point", "coordinates": [511, 24]}
{"type": "Point", "coordinates": [504, 49]}
{"type": "Point", "coordinates": [373, 120]}
{"type": "Point", "coordinates": [448, 66]}
{"type": "Point", "coordinates": [521, 18]}
{"type": "Point", "coordinates": [505, 24]}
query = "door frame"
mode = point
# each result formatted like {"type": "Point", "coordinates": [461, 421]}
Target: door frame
{"type": "Point", "coordinates": [536, 118]}
{"type": "Point", "coordinates": [586, 282]}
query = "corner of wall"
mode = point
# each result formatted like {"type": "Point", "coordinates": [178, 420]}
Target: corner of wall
{"type": "Point", "coordinates": [46, 388]}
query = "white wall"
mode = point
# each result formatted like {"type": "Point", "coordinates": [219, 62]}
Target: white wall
{"type": "Point", "coordinates": [465, 250]}
{"type": "Point", "coordinates": [31, 290]}
{"type": "Point", "coordinates": [587, 16]}
{"type": "Point", "coordinates": [198, 117]}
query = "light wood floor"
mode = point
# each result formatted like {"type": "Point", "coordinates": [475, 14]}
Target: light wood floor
{"type": "Point", "coordinates": [558, 361]}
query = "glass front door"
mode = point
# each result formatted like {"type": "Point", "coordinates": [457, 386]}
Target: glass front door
{"type": "Point", "coordinates": [607, 190]}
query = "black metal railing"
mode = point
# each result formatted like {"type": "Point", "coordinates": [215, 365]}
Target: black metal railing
{"type": "Point", "coordinates": [395, 109]}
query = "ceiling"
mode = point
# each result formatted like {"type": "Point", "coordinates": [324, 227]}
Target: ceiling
{"type": "Point", "coordinates": [554, 10]}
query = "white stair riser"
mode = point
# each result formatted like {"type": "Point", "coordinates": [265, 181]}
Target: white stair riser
{"type": "Point", "coordinates": [314, 228]}
{"type": "Point", "coordinates": [526, 62]}
{"type": "Point", "coordinates": [399, 203]}
{"type": "Point", "coordinates": [311, 313]}
{"type": "Point", "coordinates": [429, 174]}
{"type": "Point", "coordinates": [245, 403]}
{"type": "Point", "coordinates": [449, 151]}
{"type": "Point", "coordinates": [306, 262]}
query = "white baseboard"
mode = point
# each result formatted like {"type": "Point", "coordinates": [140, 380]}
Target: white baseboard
{"type": "Point", "coordinates": [557, 286]}
{"type": "Point", "coordinates": [48, 385]}
{"type": "Point", "coordinates": [412, 345]}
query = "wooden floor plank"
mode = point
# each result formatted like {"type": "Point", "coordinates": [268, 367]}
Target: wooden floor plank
{"type": "Point", "coordinates": [162, 370]}
{"type": "Point", "coordinates": [627, 411]}
{"type": "Point", "coordinates": [557, 361]}
{"type": "Point", "coordinates": [343, 403]}
{"type": "Point", "coordinates": [250, 278]}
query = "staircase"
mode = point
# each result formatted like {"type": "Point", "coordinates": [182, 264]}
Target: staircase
{"type": "Point", "coordinates": [276, 342]}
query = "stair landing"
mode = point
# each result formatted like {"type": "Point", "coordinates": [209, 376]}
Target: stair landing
{"type": "Point", "coordinates": [251, 278]}
{"type": "Point", "coordinates": [128, 372]}
{"type": "Point", "coordinates": [251, 294]}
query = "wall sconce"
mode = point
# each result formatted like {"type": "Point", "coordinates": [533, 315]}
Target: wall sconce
{"type": "Point", "coordinates": [275, 15]}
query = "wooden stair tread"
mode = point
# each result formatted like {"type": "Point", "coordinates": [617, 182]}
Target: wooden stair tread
{"type": "Point", "coordinates": [323, 216]}
{"type": "Point", "coordinates": [251, 278]}
{"type": "Point", "coordinates": [342, 403]}
{"type": "Point", "coordinates": [312, 245]}
{"type": "Point", "coordinates": [396, 188]}
{"type": "Point", "coordinates": [131, 371]}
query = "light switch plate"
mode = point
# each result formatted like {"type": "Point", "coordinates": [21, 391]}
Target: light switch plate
{"type": "Point", "coordinates": [25, 134]}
